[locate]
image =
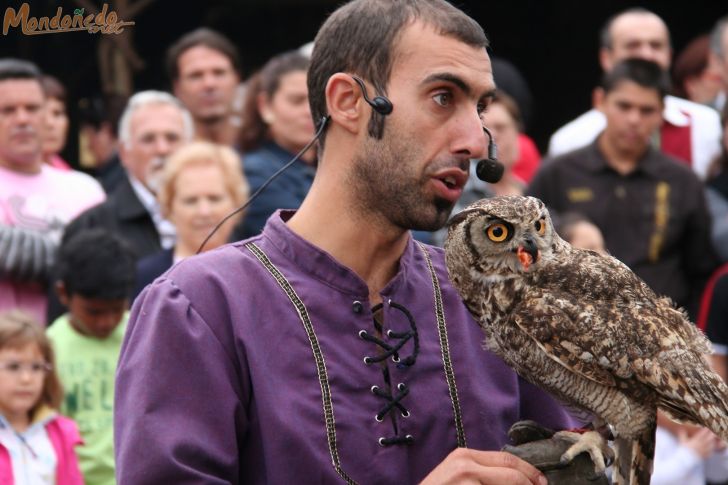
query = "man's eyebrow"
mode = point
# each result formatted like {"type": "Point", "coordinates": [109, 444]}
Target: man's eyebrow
{"type": "Point", "coordinates": [457, 81]}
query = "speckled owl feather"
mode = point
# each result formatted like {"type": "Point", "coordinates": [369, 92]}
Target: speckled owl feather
{"type": "Point", "coordinates": [582, 326]}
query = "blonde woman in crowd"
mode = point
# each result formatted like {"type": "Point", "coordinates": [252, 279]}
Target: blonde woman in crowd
{"type": "Point", "coordinates": [201, 183]}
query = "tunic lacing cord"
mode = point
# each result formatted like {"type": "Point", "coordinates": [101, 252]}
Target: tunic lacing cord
{"type": "Point", "coordinates": [404, 337]}
{"type": "Point", "coordinates": [393, 401]}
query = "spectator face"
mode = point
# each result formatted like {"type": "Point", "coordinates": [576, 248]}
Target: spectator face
{"type": "Point", "coordinates": [206, 83]}
{"type": "Point", "coordinates": [155, 130]}
{"type": "Point", "coordinates": [633, 114]}
{"type": "Point", "coordinates": [505, 132]}
{"type": "Point", "coordinates": [201, 199]}
{"type": "Point", "coordinates": [95, 317]}
{"type": "Point", "coordinates": [287, 112]}
{"type": "Point", "coordinates": [20, 388]}
{"type": "Point", "coordinates": [641, 35]}
{"type": "Point", "coordinates": [21, 124]}
{"type": "Point", "coordinates": [101, 141]}
{"type": "Point", "coordinates": [704, 87]}
{"type": "Point", "coordinates": [55, 126]}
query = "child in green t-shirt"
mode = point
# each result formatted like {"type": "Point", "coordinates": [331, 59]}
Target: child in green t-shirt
{"type": "Point", "coordinates": [95, 273]}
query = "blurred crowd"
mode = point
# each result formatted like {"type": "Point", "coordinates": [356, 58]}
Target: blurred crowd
{"type": "Point", "coordinates": [642, 176]}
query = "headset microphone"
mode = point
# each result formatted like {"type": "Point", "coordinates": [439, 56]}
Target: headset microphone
{"type": "Point", "coordinates": [490, 170]}
{"type": "Point", "coordinates": [380, 104]}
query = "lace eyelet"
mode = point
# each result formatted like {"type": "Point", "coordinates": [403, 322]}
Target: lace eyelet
{"type": "Point", "coordinates": [389, 333]}
{"type": "Point", "coordinates": [378, 419]}
{"type": "Point", "coordinates": [395, 359]}
{"type": "Point", "coordinates": [367, 360]}
{"type": "Point", "coordinates": [362, 334]}
{"type": "Point", "coordinates": [374, 389]}
{"type": "Point", "coordinates": [401, 386]}
{"type": "Point", "coordinates": [357, 306]}
{"type": "Point", "coordinates": [405, 414]}
{"type": "Point", "coordinates": [381, 441]}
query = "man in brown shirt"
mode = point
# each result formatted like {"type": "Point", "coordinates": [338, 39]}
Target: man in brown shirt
{"type": "Point", "coordinates": [650, 207]}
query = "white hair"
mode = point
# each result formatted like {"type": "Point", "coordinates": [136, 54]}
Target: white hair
{"type": "Point", "coordinates": [306, 50]}
{"type": "Point", "coordinates": [716, 37]}
{"type": "Point", "coordinates": [145, 98]}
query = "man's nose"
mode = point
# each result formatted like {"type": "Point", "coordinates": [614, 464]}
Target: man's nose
{"type": "Point", "coordinates": [162, 146]}
{"type": "Point", "coordinates": [209, 80]}
{"type": "Point", "coordinates": [469, 139]}
{"type": "Point", "coordinates": [634, 116]}
{"type": "Point", "coordinates": [23, 116]}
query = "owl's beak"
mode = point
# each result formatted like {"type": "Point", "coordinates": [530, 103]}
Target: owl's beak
{"type": "Point", "coordinates": [527, 253]}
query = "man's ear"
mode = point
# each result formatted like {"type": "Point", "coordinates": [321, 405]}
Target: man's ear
{"type": "Point", "coordinates": [62, 293]}
{"type": "Point", "coordinates": [605, 59]}
{"type": "Point", "coordinates": [123, 155]}
{"type": "Point", "coordinates": [598, 96]}
{"type": "Point", "coordinates": [344, 102]}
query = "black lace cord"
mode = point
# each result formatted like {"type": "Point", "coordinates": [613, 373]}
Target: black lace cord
{"type": "Point", "coordinates": [397, 440]}
{"type": "Point", "coordinates": [413, 334]}
{"type": "Point", "coordinates": [393, 401]}
{"type": "Point", "coordinates": [392, 351]}
{"type": "Point", "coordinates": [389, 350]}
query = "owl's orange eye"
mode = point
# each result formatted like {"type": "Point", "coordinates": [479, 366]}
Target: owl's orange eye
{"type": "Point", "coordinates": [497, 232]}
{"type": "Point", "coordinates": [540, 227]}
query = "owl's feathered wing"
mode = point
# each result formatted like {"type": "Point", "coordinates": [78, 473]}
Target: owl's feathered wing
{"type": "Point", "coordinates": [593, 317]}
{"type": "Point", "coordinates": [582, 326]}
{"type": "Point", "coordinates": [622, 331]}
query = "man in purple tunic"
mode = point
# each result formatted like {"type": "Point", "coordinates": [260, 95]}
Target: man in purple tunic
{"type": "Point", "coordinates": [332, 347]}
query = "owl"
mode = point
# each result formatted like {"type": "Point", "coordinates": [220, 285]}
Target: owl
{"type": "Point", "coordinates": [584, 327]}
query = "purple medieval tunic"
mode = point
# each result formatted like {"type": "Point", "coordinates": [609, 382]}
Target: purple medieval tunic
{"type": "Point", "coordinates": [246, 364]}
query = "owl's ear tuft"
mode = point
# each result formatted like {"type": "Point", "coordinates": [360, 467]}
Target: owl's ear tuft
{"type": "Point", "coordinates": [459, 217]}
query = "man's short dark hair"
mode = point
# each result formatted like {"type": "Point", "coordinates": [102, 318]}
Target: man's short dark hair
{"type": "Point", "coordinates": [646, 73]}
{"type": "Point", "coordinates": [11, 68]}
{"type": "Point", "coordinates": [201, 37]}
{"type": "Point", "coordinates": [96, 263]}
{"type": "Point", "coordinates": [360, 38]}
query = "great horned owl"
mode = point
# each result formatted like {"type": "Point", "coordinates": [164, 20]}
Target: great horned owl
{"type": "Point", "coordinates": [582, 326]}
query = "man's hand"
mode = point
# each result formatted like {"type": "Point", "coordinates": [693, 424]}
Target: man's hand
{"type": "Point", "coordinates": [484, 467]}
{"type": "Point", "coordinates": [545, 450]}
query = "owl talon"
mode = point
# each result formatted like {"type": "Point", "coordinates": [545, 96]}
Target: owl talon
{"type": "Point", "coordinates": [591, 442]}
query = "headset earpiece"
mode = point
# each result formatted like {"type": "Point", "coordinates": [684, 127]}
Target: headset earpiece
{"type": "Point", "coordinates": [380, 104]}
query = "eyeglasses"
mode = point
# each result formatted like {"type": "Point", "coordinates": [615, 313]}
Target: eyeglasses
{"type": "Point", "coordinates": [15, 368]}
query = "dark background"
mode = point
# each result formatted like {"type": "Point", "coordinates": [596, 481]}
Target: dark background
{"type": "Point", "coordinates": [553, 42]}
